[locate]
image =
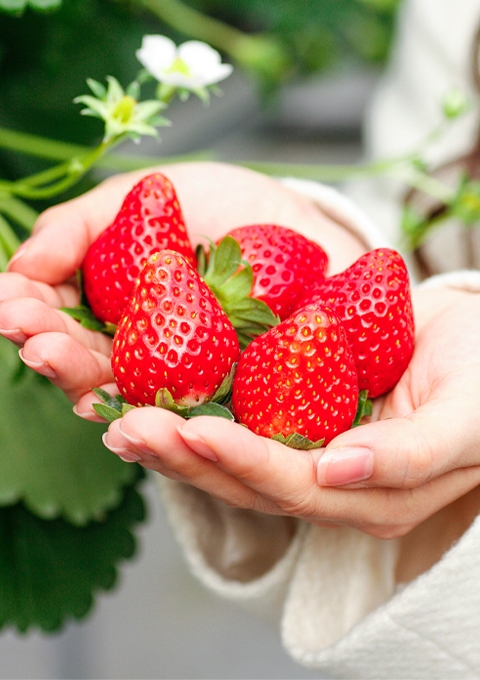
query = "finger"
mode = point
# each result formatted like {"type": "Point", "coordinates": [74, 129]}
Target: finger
{"type": "Point", "coordinates": [14, 286]}
{"type": "Point", "coordinates": [406, 452]}
{"type": "Point", "coordinates": [26, 317]}
{"type": "Point", "coordinates": [150, 436]}
{"type": "Point", "coordinates": [283, 478]}
{"type": "Point", "coordinates": [285, 482]}
{"type": "Point", "coordinates": [66, 363]}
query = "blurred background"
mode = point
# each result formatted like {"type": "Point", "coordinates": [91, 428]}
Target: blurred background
{"type": "Point", "coordinates": [300, 88]}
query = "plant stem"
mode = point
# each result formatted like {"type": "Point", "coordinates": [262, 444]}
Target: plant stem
{"type": "Point", "coordinates": [69, 174]}
{"type": "Point", "coordinates": [18, 211]}
{"type": "Point", "coordinates": [8, 243]}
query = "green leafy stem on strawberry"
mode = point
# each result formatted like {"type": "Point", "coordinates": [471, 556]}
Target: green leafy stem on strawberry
{"type": "Point", "coordinates": [231, 280]}
{"type": "Point", "coordinates": [113, 407]}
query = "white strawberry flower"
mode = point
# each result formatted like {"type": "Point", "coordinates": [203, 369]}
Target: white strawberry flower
{"type": "Point", "coordinates": [192, 66]}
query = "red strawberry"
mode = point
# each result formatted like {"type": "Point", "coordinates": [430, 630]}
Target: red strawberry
{"type": "Point", "coordinates": [284, 264]}
{"type": "Point", "coordinates": [299, 377]}
{"type": "Point", "coordinates": [149, 220]}
{"type": "Point", "coordinates": [173, 335]}
{"type": "Point", "coordinates": [372, 300]}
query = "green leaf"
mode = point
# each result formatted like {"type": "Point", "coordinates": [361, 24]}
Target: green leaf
{"type": "Point", "coordinates": [210, 409]}
{"type": "Point", "coordinates": [51, 570]}
{"type": "Point", "coordinates": [224, 392]}
{"type": "Point", "coordinates": [224, 261]}
{"type": "Point", "coordinates": [239, 286]}
{"type": "Point", "coordinates": [164, 399]}
{"type": "Point", "coordinates": [107, 412]}
{"type": "Point", "coordinates": [85, 316]}
{"type": "Point", "coordinates": [50, 459]}
{"type": "Point", "coordinates": [231, 281]}
{"type": "Point", "coordinates": [298, 441]}
{"type": "Point", "coordinates": [110, 408]}
{"type": "Point", "coordinates": [364, 407]}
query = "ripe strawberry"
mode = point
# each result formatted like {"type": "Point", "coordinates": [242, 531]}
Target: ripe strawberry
{"type": "Point", "coordinates": [284, 264]}
{"type": "Point", "coordinates": [372, 300]}
{"type": "Point", "coordinates": [149, 220]}
{"type": "Point", "coordinates": [172, 336]}
{"type": "Point", "coordinates": [299, 377]}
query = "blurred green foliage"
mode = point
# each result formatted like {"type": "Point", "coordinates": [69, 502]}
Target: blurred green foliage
{"type": "Point", "coordinates": [46, 56]}
{"type": "Point", "coordinates": [317, 34]}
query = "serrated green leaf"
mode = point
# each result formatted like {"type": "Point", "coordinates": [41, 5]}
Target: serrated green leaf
{"type": "Point", "coordinates": [51, 570]}
{"type": "Point", "coordinates": [211, 409]}
{"type": "Point", "coordinates": [50, 459]}
{"type": "Point", "coordinates": [298, 441]}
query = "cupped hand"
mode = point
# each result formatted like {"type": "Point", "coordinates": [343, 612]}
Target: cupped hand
{"type": "Point", "coordinates": [419, 455]}
{"type": "Point", "coordinates": [41, 278]}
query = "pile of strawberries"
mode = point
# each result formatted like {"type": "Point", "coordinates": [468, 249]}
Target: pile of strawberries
{"type": "Point", "coordinates": [252, 329]}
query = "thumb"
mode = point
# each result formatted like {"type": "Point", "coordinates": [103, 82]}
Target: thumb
{"type": "Point", "coordinates": [405, 452]}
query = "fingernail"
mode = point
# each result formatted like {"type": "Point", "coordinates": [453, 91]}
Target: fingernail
{"type": "Point", "coordinates": [39, 366]}
{"type": "Point", "coordinates": [86, 415]}
{"type": "Point", "coordinates": [136, 442]}
{"type": "Point", "coordinates": [15, 335]}
{"type": "Point", "coordinates": [20, 252]}
{"type": "Point", "coordinates": [344, 466]}
{"type": "Point", "coordinates": [197, 444]}
{"type": "Point", "coordinates": [122, 452]}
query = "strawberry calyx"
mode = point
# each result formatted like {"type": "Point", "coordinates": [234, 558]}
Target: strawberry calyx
{"type": "Point", "coordinates": [298, 441]}
{"type": "Point", "coordinates": [113, 407]}
{"type": "Point", "coordinates": [364, 408]}
{"type": "Point", "coordinates": [216, 406]}
{"type": "Point", "coordinates": [84, 315]}
{"type": "Point", "coordinates": [110, 407]}
{"type": "Point", "coordinates": [231, 279]}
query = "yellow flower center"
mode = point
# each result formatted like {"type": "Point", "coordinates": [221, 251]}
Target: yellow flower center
{"type": "Point", "coordinates": [124, 109]}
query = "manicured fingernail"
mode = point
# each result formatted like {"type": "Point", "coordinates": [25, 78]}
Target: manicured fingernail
{"type": "Point", "coordinates": [15, 335]}
{"type": "Point", "coordinates": [197, 444]}
{"type": "Point", "coordinates": [39, 366]}
{"type": "Point", "coordinates": [122, 452]}
{"type": "Point", "coordinates": [136, 442]}
{"type": "Point", "coordinates": [20, 252]}
{"type": "Point", "coordinates": [341, 466]}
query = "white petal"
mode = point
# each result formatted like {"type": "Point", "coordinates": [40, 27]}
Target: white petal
{"type": "Point", "coordinates": [204, 63]}
{"type": "Point", "coordinates": [157, 54]}
{"type": "Point", "coordinates": [195, 52]}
